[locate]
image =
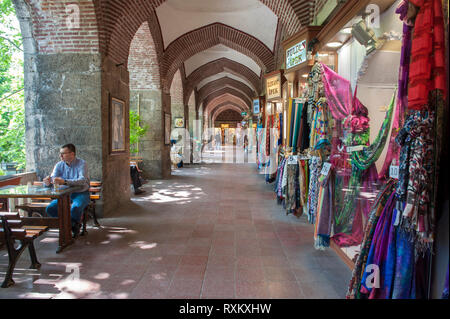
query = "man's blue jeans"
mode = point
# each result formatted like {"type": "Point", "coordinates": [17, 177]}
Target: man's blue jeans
{"type": "Point", "coordinates": [79, 203]}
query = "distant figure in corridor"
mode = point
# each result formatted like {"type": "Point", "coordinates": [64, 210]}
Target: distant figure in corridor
{"type": "Point", "coordinates": [70, 171]}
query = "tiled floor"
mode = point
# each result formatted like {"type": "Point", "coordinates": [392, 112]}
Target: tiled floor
{"type": "Point", "coordinates": [211, 231]}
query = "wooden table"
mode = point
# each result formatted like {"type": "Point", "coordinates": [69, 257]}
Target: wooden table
{"type": "Point", "coordinates": [62, 222]}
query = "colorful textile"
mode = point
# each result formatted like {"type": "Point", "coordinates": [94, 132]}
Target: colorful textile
{"type": "Point", "coordinates": [393, 151]}
{"type": "Point", "coordinates": [369, 155]}
{"type": "Point", "coordinates": [315, 165]}
{"type": "Point", "coordinates": [292, 186]}
{"type": "Point", "coordinates": [325, 209]}
{"type": "Point", "coordinates": [320, 128]}
{"type": "Point", "coordinates": [338, 93]}
{"type": "Point", "coordinates": [418, 217]}
{"type": "Point", "coordinates": [382, 197]}
{"type": "Point", "coordinates": [378, 252]}
{"type": "Point", "coordinates": [303, 182]}
{"type": "Point", "coordinates": [428, 68]}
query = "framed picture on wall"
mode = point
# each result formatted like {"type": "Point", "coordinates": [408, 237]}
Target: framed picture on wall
{"type": "Point", "coordinates": [179, 122]}
{"type": "Point", "coordinates": [117, 125]}
{"type": "Point", "coordinates": [167, 128]}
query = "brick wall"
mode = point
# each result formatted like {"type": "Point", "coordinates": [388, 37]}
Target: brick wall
{"type": "Point", "coordinates": [143, 61]}
{"type": "Point", "coordinates": [64, 26]}
{"type": "Point", "coordinates": [176, 96]}
{"type": "Point", "coordinates": [220, 65]}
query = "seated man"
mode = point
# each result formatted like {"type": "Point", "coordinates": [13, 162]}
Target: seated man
{"type": "Point", "coordinates": [136, 178]}
{"type": "Point", "coordinates": [71, 171]}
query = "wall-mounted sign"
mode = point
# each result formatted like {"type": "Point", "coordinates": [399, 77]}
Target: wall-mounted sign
{"type": "Point", "coordinates": [296, 54]}
{"type": "Point", "coordinates": [256, 106]}
{"type": "Point", "coordinates": [243, 113]}
{"type": "Point", "coordinates": [273, 87]}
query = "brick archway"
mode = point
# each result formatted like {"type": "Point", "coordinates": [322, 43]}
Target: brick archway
{"type": "Point", "coordinates": [227, 91]}
{"type": "Point", "coordinates": [208, 36]}
{"type": "Point", "coordinates": [225, 98]}
{"type": "Point", "coordinates": [221, 83]}
{"type": "Point", "coordinates": [125, 18]}
{"type": "Point", "coordinates": [219, 108]}
{"type": "Point", "coordinates": [218, 66]}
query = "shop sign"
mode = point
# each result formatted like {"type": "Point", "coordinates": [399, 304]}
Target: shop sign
{"type": "Point", "coordinates": [273, 87]}
{"type": "Point", "coordinates": [296, 55]}
{"type": "Point", "coordinates": [256, 106]}
{"type": "Point", "coordinates": [243, 113]}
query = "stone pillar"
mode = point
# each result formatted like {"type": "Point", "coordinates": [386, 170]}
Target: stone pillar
{"type": "Point", "coordinates": [151, 145]}
{"type": "Point", "coordinates": [116, 166]}
{"type": "Point", "coordinates": [63, 105]}
{"type": "Point", "coordinates": [165, 154]}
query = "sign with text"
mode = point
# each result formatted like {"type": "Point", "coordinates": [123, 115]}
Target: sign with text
{"type": "Point", "coordinates": [256, 106]}
{"type": "Point", "coordinates": [273, 87]}
{"type": "Point", "coordinates": [296, 55]}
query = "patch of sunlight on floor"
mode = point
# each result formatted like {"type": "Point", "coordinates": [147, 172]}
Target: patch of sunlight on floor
{"type": "Point", "coordinates": [102, 276]}
{"type": "Point", "coordinates": [143, 245]}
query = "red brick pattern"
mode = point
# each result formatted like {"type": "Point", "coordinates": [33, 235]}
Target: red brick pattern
{"type": "Point", "coordinates": [225, 106]}
{"type": "Point", "coordinates": [143, 61]}
{"type": "Point", "coordinates": [221, 65]}
{"type": "Point", "coordinates": [225, 82]}
{"type": "Point", "coordinates": [176, 90]}
{"type": "Point", "coordinates": [64, 26]}
{"type": "Point", "coordinates": [206, 101]}
{"type": "Point", "coordinates": [224, 98]}
{"type": "Point", "coordinates": [228, 114]}
{"type": "Point", "coordinates": [208, 36]}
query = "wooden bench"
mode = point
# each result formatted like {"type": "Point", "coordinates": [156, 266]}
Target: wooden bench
{"type": "Point", "coordinates": [37, 206]}
{"type": "Point", "coordinates": [95, 189]}
{"type": "Point", "coordinates": [12, 229]}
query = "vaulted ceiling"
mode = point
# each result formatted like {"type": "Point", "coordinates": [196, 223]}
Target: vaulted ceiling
{"type": "Point", "coordinates": [223, 47]}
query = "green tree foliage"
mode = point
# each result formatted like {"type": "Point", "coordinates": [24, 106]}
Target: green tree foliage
{"type": "Point", "coordinates": [136, 131]}
{"type": "Point", "coordinates": [12, 116]}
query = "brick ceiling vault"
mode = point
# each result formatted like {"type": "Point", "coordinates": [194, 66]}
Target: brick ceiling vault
{"type": "Point", "coordinates": [227, 114]}
{"type": "Point", "coordinates": [208, 36]}
{"type": "Point", "coordinates": [219, 66]}
{"type": "Point", "coordinates": [126, 16]}
{"type": "Point", "coordinates": [222, 99]}
{"type": "Point", "coordinates": [225, 106]}
{"type": "Point", "coordinates": [223, 82]}
{"type": "Point", "coordinates": [232, 92]}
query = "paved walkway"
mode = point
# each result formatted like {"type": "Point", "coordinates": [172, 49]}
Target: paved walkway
{"type": "Point", "coordinates": [211, 231]}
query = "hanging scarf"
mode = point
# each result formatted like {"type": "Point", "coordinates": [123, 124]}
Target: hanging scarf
{"type": "Point", "coordinates": [369, 155]}
{"type": "Point", "coordinates": [292, 186]}
{"type": "Point", "coordinates": [315, 165]}
{"type": "Point", "coordinates": [325, 209]}
{"type": "Point", "coordinates": [428, 69]}
{"type": "Point", "coordinates": [378, 206]}
{"type": "Point", "coordinates": [418, 215]}
{"type": "Point", "coordinates": [393, 151]}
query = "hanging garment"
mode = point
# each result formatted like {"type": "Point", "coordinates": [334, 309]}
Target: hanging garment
{"type": "Point", "coordinates": [292, 186]}
{"type": "Point", "coordinates": [393, 151]}
{"type": "Point", "coordinates": [325, 209]}
{"type": "Point", "coordinates": [320, 129]}
{"type": "Point", "coordinates": [418, 215]}
{"type": "Point", "coordinates": [315, 165]}
{"type": "Point", "coordinates": [304, 129]}
{"type": "Point", "coordinates": [385, 194]}
{"type": "Point", "coordinates": [428, 68]}
{"type": "Point", "coordinates": [378, 252]}
{"type": "Point", "coordinates": [298, 118]}
{"type": "Point", "coordinates": [303, 182]}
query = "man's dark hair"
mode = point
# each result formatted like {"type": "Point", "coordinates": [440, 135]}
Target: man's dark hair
{"type": "Point", "coordinates": [71, 147]}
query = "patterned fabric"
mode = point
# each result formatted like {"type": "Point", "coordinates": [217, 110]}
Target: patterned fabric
{"type": "Point", "coordinates": [315, 165]}
{"type": "Point", "coordinates": [320, 128]}
{"type": "Point", "coordinates": [428, 67]}
{"type": "Point", "coordinates": [325, 209]}
{"type": "Point", "coordinates": [417, 215]}
{"type": "Point", "coordinates": [292, 186]}
{"type": "Point", "coordinates": [303, 182]}
{"type": "Point", "coordinates": [360, 264]}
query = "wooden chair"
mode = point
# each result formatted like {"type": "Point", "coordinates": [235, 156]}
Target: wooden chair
{"type": "Point", "coordinates": [12, 229]}
{"type": "Point", "coordinates": [95, 190]}
{"type": "Point", "coordinates": [37, 206]}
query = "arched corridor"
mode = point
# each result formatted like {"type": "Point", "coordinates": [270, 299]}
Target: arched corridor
{"type": "Point", "coordinates": [238, 149]}
{"type": "Point", "coordinates": [210, 231]}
